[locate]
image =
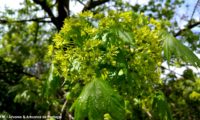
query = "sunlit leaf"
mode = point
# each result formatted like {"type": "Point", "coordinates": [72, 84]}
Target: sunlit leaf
{"type": "Point", "coordinates": [52, 83]}
{"type": "Point", "coordinates": [125, 36]}
{"type": "Point", "coordinates": [97, 99]}
{"type": "Point", "coordinates": [172, 46]}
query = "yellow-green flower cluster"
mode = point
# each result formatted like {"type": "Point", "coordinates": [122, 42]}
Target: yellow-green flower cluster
{"type": "Point", "coordinates": [123, 48]}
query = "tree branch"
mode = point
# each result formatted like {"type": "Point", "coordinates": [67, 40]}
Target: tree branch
{"type": "Point", "coordinates": [63, 12]}
{"type": "Point", "coordinates": [36, 33]}
{"type": "Point", "coordinates": [92, 4]}
{"type": "Point", "coordinates": [3, 21]}
{"type": "Point", "coordinates": [190, 26]}
{"type": "Point", "coordinates": [30, 75]}
{"type": "Point", "coordinates": [21, 72]}
{"type": "Point", "coordinates": [81, 2]}
{"type": "Point", "coordinates": [198, 1]}
{"type": "Point", "coordinates": [46, 8]}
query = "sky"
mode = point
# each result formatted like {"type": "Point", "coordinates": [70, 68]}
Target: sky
{"type": "Point", "coordinates": [10, 3]}
{"type": "Point", "coordinates": [180, 12]}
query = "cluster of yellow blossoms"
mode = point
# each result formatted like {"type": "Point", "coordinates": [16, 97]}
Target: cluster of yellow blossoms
{"type": "Point", "coordinates": [123, 48]}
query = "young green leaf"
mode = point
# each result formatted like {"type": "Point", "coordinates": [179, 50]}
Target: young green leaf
{"type": "Point", "coordinates": [97, 99]}
{"type": "Point", "coordinates": [125, 36]}
{"type": "Point", "coordinates": [52, 84]}
{"type": "Point", "coordinates": [172, 45]}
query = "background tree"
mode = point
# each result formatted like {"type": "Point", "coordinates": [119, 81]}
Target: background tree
{"type": "Point", "coordinates": [27, 32]}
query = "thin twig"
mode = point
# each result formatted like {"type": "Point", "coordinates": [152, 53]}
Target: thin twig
{"type": "Point", "coordinates": [81, 2]}
{"type": "Point", "coordinates": [36, 33]}
{"type": "Point", "coordinates": [194, 11]}
{"type": "Point", "coordinates": [170, 70]}
{"type": "Point", "coordinates": [63, 112]}
{"type": "Point", "coordinates": [92, 4]}
{"type": "Point", "coordinates": [190, 26]}
{"type": "Point", "coordinates": [47, 9]}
